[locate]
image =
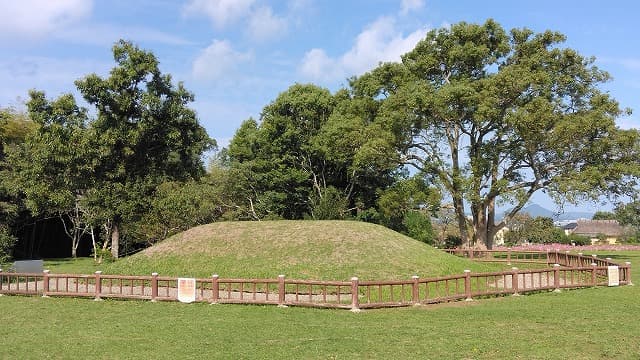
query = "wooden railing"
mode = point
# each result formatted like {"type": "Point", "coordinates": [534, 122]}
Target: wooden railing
{"type": "Point", "coordinates": [305, 292]}
{"type": "Point", "coordinates": [569, 271]}
{"type": "Point", "coordinates": [508, 256]}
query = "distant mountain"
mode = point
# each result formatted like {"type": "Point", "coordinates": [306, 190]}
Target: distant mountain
{"type": "Point", "coordinates": [535, 210]}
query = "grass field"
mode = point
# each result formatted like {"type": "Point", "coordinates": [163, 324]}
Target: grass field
{"type": "Point", "coordinates": [598, 323]}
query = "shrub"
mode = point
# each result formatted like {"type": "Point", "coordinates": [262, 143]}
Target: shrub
{"type": "Point", "coordinates": [576, 240]}
{"type": "Point", "coordinates": [7, 241]}
{"type": "Point", "coordinates": [331, 206]}
{"type": "Point", "coordinates": [452, 241]}
{"type": "Point", "coordinates": [418, 226]}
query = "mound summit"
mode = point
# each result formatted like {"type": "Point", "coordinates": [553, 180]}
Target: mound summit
{"type": "Point", "coordinates": [322, 250]}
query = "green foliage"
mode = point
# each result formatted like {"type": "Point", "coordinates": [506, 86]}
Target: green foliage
{"type": "Point", "coordinates": [15, 128]}
{"type": "Point", "coordinates": [538, 230]}
{"type": "Point", "coordinates": [331, 206]}
{"type": "Point", "coordinates": [307, 157]}
{"type": "Point", "coordinates": [452, 242]}
{"type": "Point", "coordinates": [604, 215]}
{"type": "Point", "coordinates": [103, 172]}
{"type": "Point", "coordinates": [370, 215]}
{"type": "Point", "coordinates": [403, 197]}
{"type": "Point", "coordinates": [576, 239]}
{"type": "Point", "coordinates": [176, 207]}
{"type": "Point", "coordinates": [418, 226]}
{"type": "Point", "coordinates": [495, 116]}
{"type": "Point", "coordinates": [7, 241]}
{"type": "Point", "coordinates": [53, 166]}
{"type": "Point", "coordinates": [628, 214]}
{"type": "Point", "coordinates": [144, 134]}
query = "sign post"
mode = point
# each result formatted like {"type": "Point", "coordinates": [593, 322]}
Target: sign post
{"type": "Point", "coordinates": [614, 275]}
{"type": "Point", "coordinates": [186, 290]}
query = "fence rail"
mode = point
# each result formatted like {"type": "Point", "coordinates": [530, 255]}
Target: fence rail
{"type": "Point", "coordinates": [569, 272]}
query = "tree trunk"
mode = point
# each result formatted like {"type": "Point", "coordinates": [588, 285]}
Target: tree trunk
{"type": "Point", "coordinates": [95, 246]}
{"type": "Point", "coordinates": [458, 206]}
{"type": "Point", "coordinates": [115, 240]}
{"type": "Point", "coordinates": [491, 223]}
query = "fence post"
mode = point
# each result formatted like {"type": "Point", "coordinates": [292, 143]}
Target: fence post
{"type": "Point", "coordinates": [355, 302]}
{"type": "Point", "coordinates": [567, 262]}
{"type": "Point", "coordinates": [154, 286]}
{"type": "Point", "coordinates": [628, 273]}
{"type": "Point", "coordinates": [45, 283]}
{"type": "Point", "coordinates": [514, 280]}
{"type": "Point", "coordinates": [580, 260]}
{"type": "Point", "coordinates": [556, 277]}
{"type": "Point", "coordinates": [98, 285]}
{"type": "Point", "coordinates": [415, 291]}
{"type": "Point", "coordinates": [215, 289]}
{"type": "Point", "coordinates": [593, 273]}
{"type": "Point", "coordinates": [2, 282]}
{"type": "Point", "coordinates": [281, 294]}
{"type": "Point", "coordinates": [467, 285]}
{"type": "Point", "coordinates": [508, 256]}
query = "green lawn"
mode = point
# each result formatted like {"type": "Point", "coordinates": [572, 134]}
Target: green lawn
{"type": "Point", "coordinates": [601, 323]}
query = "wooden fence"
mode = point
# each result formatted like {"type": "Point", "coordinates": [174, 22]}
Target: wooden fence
{"type": "Point", "coordinates": [569, 272]}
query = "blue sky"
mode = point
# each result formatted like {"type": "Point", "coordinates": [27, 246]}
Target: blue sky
{"type": "Point", "coordinates": [238, 55]}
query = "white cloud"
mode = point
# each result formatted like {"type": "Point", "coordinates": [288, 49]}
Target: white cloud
{"type": "Point", "coordinates": [221, 12]}
{"type": "Point", "coordinates": [410, 5]}
{"type": "Point", "coordinates": [296, 6]}
{"type": "Point", "coordinates": [35, 18]}
{"type": "Point", "coordinates": [107, 34]}
{"type": "Point", "coordinates": [261, 23]}
{"type": "Point", "coordinates": [378, 42]}
{"type": "Point", "coordinates": [317, 65]}
{"type": "Point", "coordinates": [218, 60]}
{"type": "Point", "coordinates": [264, 25]}
{"type": "Point", "coordinates": [52, 75]}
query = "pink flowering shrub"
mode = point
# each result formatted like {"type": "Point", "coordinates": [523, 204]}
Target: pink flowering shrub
{"type": "Point", "coordinates": [566, 247]}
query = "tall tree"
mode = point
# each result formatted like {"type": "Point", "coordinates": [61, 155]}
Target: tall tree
{"type": "Point", "coordinates": [310, 156]}
{"type": "Point", "coordinates": [604, 215]}
{"type": "Point", "coordinates": [275, 157]}
{"type": "Point", "coordinates": [53, 166]}
{"type": "Point", "coordinates": [144, 134]}
{"type": "Point", "coordinates": [495, 116]}
{"type": "Point", "coordinates": [628, 214]}
{"type": "Point", "coordinates": [14, 129]}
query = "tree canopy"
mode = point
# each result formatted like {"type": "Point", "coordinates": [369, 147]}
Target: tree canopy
{"type": "Point", "coordinates": [473, 118]}
{"type": "Point", "coordinates": [306, 151]}
{"type": "Point", "coordinates": [493, 116]}
{"type": "Point", "coordinates": [105, 170]}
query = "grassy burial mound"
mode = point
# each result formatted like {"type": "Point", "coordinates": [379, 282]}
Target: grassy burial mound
{"type": "Point", "coordinates": [321, 250]}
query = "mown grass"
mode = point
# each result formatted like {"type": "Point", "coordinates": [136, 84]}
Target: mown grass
{"type": "Point", "coordinates": [599, 323]}
{"type": "Point", "coordinates": [321, 250]}
{"type": "Point", "coordinates": [82, 265]}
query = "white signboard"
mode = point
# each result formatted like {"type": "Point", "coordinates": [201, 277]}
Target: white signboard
{"type": "Point", "coordinates": [614, 275]}
{"type": "Point", "coordinates": [186, 290]}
